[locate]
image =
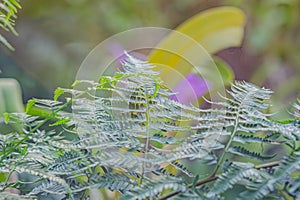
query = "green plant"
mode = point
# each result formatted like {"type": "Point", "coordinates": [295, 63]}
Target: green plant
{"type": "Point", "coordinates": [131, 138]}
{"type": "Point", "coordinates": [8, 10]}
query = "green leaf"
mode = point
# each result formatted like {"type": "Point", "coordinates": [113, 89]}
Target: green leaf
{"type": "Point", "coordinates": [76, 83]}
{"type": "Point", "coordinates": [29, 105]}
{"type": "Point", "coordinates": [182, 49]}
{"type": "Point", "coordinates": [24, 150]}
{"type": "Point", "coordinates": [8, 8]}
{"type": "Point", "coordinates": [209, 28]}
{"type": "Point", "coordinates": [2, 177]}
{"type": "Point", "coordinates": [58, 92]}
{"type": "Point", "coordinates": [7, 116]}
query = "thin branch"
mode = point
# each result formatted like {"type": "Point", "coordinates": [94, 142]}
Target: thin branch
{"type": "Point", "coordinates": [267, 165]}
{"type": "Point", "coordinates": [215, 177]}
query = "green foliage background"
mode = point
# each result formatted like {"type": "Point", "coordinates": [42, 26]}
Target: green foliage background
{"type": "Point", "coordinates": [55, 36]}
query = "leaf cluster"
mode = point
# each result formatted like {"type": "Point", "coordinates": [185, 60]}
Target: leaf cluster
{"type": "Point", "coordinates": [128, 136]}
{"type": "Point", "coordinates": [8, 10]}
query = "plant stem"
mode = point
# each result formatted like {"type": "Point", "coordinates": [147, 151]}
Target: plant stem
{"type": "Point", "coordinates": [210, 179]}
{"type": "Point", "coordinates": [220, 161]}
{"type": "Point", "coordinates": [147, 133]}
{"type": "Point", "coordinates": [267, 165]}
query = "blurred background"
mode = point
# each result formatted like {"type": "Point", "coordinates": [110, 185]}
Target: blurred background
{"type": "Point", "coordinates": [55, 37]}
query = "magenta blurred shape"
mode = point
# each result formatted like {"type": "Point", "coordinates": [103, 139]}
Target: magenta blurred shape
{"type": "Point", "coordinates": [117, 51]}
{"type": "Point", "coordinates": [189, 89]}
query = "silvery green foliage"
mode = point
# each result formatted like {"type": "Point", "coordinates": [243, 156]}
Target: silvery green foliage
{"type": "Point", "coordinates": [130, 137]}
{"type": "Point", "coordinates": [8, 10]}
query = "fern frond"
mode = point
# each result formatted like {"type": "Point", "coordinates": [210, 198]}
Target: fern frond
{"type": "Point", "coordinates": [270, 184]}
{"type": "Point", "coordinates": [110, 181]}
{"type": "Point", "coordinates": [241, 151]}
{"type": "Point", "coordinates": [8, 10]}
{"type": "Point", "coordinates": [259, 191]}
{"type": "Point", "coordinates": [244, 112]}
{"type": "Point", "coordinates": [289, 165]}
{"type": "Point", "coordinates": [130, 137]}
{"type": "Point", "coordinates": [11, 196]}
{"type": "Point", "coordinates": [242, 138]}
{"type": "Point", "coordinates": [152, 188]}
{"type": "Point", "coordinates": [293, 188]}
{"type": "Point", "coordinates": [72, 163]}
{"type": "Point", "coordinates": [236, 173]}
{"type": "Point", "coordinates": [174, 168]}
{"type": "Point", "coordinates": [289, 131]}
